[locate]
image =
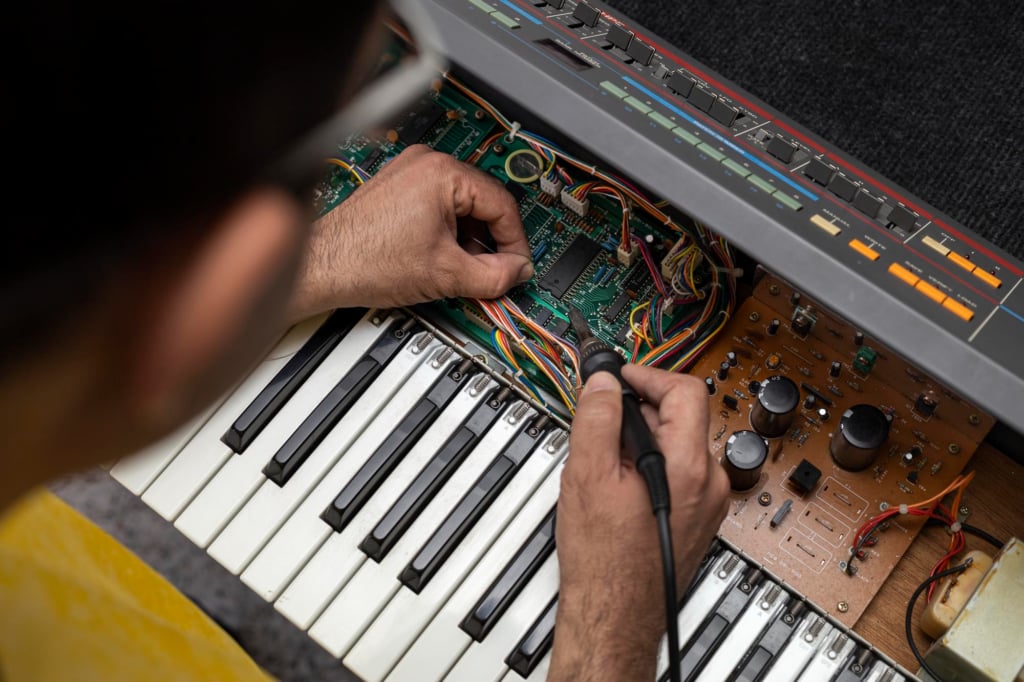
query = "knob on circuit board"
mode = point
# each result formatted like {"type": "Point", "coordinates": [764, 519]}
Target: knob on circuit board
{"type": "Point", "coordinates": [862, 431]}
{"type": "Point", "coordinates": [745, 454]}
{"type": "Point", "coordinates": [775, 406]}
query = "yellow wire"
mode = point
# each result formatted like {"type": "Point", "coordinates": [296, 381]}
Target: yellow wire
{"type": "Point", "coordinates": [350, 169]}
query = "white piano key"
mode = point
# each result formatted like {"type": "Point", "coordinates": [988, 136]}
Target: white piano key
{"type": "Point", "coordinates": [486, 660]}
{"type": "Point", "coordinates": [829, 658]}
{"type": "Point", "coordinates": [881, 672]}
{"type": "Point", "coordinates": [439, 647]}
{"type": "Point", "coordinates": [748, 628]}
{"type": "Point", "coordinates": [335, 562]}
{"type": "Point", "coordinates": [139, 470]}
{"type": "Point", "coordinates": [353, 440]}
{"type": "Point", "coordinates": [713, 586]}
{"type": "Point", "coordinates": [198, 461]}
{"type": "Point", "coordinates": [373, 585]}
{"type": "Point", "coordinates": [800, 649]}
{"type": "Point", "coordinates": [242, 474]}
{"type": "Point", "coordinates": [378, 649]}
{"type": "Point", "coordinates": [271, 505]}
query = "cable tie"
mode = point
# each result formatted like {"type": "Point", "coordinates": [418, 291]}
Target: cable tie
{"type": "Point", "coordinates": [955, 527]}
{"type": "Point", "coordinates": [516, 127]}
{"type": "Point", "coordinates": [904, 509]}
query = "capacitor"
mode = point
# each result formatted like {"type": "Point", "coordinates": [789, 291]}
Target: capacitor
{"type": "Point", "coordinates": [723, 371]}
{"type": "Point", "coordinates": [773, 327]}
{"type": "Point", "coordinates": [710, 383]}
{"type": "Point", "coordinates": [809, 402]}
{"type": "Point", "coordinates": [835, 369]}
{"type": "Point", "coordinates": [795, 298]}
{"type": "Point", "coordinates": [731, 358]}
{"type": "Point", "coordinates": [823, 414]}
{"type": "Point", "coordinates": [745, 454]}
{"type": "Point", "coordinates": [858, 339]}
{"type": "Point", "coordinates": [775, 407]}
{"type": "Point", "coordinates": [754, 387]}
{"type": "Point", "coordinates": [862, 431]}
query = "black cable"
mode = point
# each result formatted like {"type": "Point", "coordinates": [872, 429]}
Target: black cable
{"type": "Point", "coordinates": [973, 530]}
{"type": "Point", "coordinates": [910, 613]}
{"type": "Point", "coordinates": [671, 600]}
{"type": "Point", "coordinates": [983, 534]}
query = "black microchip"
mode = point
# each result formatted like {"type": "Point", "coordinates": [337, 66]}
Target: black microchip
{"type": "Point", "coordinates": [587, 14]}
{"type": "Point", "coordinates": [636, 278]}
{"type": "Point", "coordinates": [516, 190]}
{"type": "Point", "coordinates": [373, 158]}
{"type": "Point", "coordinates": [560, 327]}
{"type": "Point", "coordinates": [542, 317]}
{"type": "Point", "coordinates": [521, 298]}
{"type": "Point", "coordinates": [805, 476]}
{"type": "Point", "coordinates": [413, 126]}
{"type": "Point", "coordinates": [622, 336]}
{"type": "Point", "coordinates": [569, 266]}
{"type": "Point", "coordinates": [616, 308]}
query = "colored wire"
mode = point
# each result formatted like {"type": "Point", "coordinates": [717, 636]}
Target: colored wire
{"type": "Point", "coordinates": [356, 173]}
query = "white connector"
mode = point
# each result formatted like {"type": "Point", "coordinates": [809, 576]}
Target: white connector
{"type": "Point", "coordinates": [626, 258]}
{"type": "Point", "coordinates": [577, 206]}
{"type": "Point", "coordinates": [551, 187]}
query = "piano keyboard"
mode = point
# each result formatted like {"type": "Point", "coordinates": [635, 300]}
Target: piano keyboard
{"type": "Point", "coordinates": [394, 499]}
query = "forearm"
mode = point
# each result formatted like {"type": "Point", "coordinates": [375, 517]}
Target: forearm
{"type": "Point", "coordinates": [321, 283]}
{"type": "Point", "coordinates": [591, 648]}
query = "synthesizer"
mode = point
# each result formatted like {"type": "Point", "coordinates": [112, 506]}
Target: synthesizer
{"type": "Point", "coordinates": [389, 485]}
{"type": "Point", "coordinates": [887, 261]}
{"type": "Point", "coordinates": [395, 498]}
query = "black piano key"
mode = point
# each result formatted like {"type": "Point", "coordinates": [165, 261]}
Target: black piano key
{"type": "Point", "coordinates": [326, 415]}
{"type": "Point", "coordinates": [396, 446]}
{"type": "Point", "coordinates": [507, 586]}
{"type": "Point", "coordinates": [699, 650]}
{"type": "Point", "coordinates": [471, 507]}
{"type": "Point", "coordinates": [262, 409]}
{"type": "Point", "coordinates": [856, 667]}
{"type": "Point", "coordinates": [536, 643]}
{"type": "Point", "coordinates": [758, 659]}
{"type": "Point", "coordinates": [437, 471]}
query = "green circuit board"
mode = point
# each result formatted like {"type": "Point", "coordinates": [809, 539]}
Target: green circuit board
{"type": "Point", "coordinates": [575, 256]}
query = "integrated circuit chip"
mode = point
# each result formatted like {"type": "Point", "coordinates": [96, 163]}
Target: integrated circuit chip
{"type": "Point", "coordinates": [413, 126]}
{"type": "Point", "coordinates": [570, 265]}
{"type": "Point", "coordinates": [616, 307]}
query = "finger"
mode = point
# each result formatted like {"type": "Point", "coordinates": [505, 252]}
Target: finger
{"type": "Point", "coordinates": [680, 399]}
{"type": "Point", "coordinates": [596, 430]}
{"type": "Point", "coordinates": [479, 195]}
{"type": "Point", "coordinates": [651, 416]}
{"type": "Point", "coordinates": [486, 275]}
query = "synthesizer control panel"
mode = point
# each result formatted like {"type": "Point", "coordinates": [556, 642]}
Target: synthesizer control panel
{"type": "Point", "coordinates": [886, 261]}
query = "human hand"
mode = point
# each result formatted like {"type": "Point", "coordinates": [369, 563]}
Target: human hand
{"type": "Point", "coordinates": [611, 607]}
{"type": "Point", "coordinates": [407, 237]}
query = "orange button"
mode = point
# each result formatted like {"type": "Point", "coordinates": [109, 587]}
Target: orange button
{"type": "Point", "coordinates": [988, 278]}
{"type": "Point", "coordinates": [930, 291]}
{"type": "Point", "coordinates": [864, 250]}
{"type": "Point", "coordinates": [902, 273]}
{"type": "Point", "coordinates": [961, 311]}
{"type": "Point", "coordinates": [961, 261]}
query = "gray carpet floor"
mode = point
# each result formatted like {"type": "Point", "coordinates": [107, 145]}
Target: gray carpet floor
{"type": "Point", "coordinates": [929, 94]}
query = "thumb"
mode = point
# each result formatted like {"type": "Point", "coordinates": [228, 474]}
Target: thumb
{"type": "Point", "coordinates": [594, 446]}
{"type": "Point", "coordinates": [490, 275]}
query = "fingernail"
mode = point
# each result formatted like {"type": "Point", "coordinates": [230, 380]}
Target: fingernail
{"type": "Point", "coordinates": [602, 381]}
{"type": "Point", "coordinates": [526, 274]}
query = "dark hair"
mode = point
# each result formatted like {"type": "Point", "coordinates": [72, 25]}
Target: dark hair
{"type": "Point", "coordinates": [135, 123]}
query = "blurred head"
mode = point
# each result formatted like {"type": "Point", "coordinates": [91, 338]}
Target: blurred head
{"type": "Point", "coordinates": [149, 253]}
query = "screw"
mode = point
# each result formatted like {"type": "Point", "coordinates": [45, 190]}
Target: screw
{"type": "Point", "coordinates": [764, 499]}
{"type": "Point", "coordinates": [754, 316]}
{"type": "Point", "coordinates": [883, 506]}
{"type": "Point", "coordinates": [973, 419]}
{"type": "Point", "coordinates": [774, 290]}
{"type": "Point", "coordinates": [843, 606]}
{"type": "Point", "coordinates": [963, 510]}
{"type": "Point", "coordinates": [953, 448]}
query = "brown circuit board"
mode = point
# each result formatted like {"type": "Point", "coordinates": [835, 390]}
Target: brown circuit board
{"type": "Point", "coordinates": [810, 547]}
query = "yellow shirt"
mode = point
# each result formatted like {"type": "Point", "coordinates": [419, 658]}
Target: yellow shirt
{"type": "Point", "coordinates": [76, 605]}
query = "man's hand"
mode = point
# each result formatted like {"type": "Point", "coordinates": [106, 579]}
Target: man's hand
{"type": "Point", "coordinates": [412, 234]}
{"type": "Point", "coordinates": [611, 608]}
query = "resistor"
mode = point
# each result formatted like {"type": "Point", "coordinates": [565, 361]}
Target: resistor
{"type": "Point", "coordinates": [936, 467]}
{"type": "Point", "coordinates": [608, 276]}
{"type": "Point", "coordinates": [540, 250]}
{"type": "Point", "coordinates": [600, 273]}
